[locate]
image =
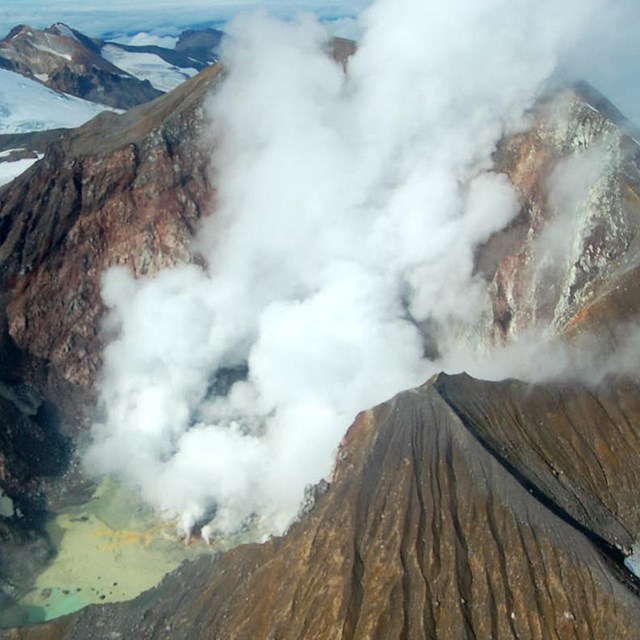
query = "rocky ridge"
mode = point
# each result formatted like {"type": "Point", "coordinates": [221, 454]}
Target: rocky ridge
{"type": "Point", "coordinates": [67, 61]}
{"type": "Point", "coordinates": [123, 189]}
{"type": "Point", "coordinates": [564, 254]}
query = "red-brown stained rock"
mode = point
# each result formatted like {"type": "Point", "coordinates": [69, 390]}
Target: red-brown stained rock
{"type": "Point", "coordinates": [132, 197]}
{"type": "Point", "coordinates": [522, 293]}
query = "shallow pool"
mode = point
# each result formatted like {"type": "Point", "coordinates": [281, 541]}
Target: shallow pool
{"type": "Point", "coordinates": [109, 549]}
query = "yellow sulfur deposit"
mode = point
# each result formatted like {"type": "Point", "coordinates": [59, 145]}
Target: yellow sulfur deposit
{"type": "Point", "coordinates": [108, 549]}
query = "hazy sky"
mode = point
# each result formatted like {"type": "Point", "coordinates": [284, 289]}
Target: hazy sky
{"type": "Point", "coordinates": [96, 17]}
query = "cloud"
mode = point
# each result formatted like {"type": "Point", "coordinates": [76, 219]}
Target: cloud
{"type": "Point", "coordinates": [540, 356]}
{"type": "Point", "coordinates": [145, 39]}
{"type": "Point", "coordinates": [129, 17]}
{"type": "Point", "coordinates": [348, 209]}
{"type": "Point", "coordinates": [608, 56]}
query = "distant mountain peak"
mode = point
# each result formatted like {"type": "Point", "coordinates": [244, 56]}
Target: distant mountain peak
{"type": "Point", "coordinates": [70, 62]}
{"type": "Point", "coordinates": [200, 43]}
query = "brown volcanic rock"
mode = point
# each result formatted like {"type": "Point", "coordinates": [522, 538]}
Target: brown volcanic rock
{"type": "Point", "coordinates": [125, 190]}
{"type": "Point", "coordinates": [597, 236]}
{"type": "Point", "coordinates": [69, 62]}
{"type": "Point", "coordinates": [421, 534]}
{"type": "Point", "coordinates": [577, 448]}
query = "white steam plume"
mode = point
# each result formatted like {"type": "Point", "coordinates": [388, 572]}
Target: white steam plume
{"type": "Point", "coordinates": [348, 209]}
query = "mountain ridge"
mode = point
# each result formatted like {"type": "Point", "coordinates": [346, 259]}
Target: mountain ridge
{"type": "Point", "coordinates": [70, 62]}
{"type": "Point", "coordinates": [65, 63]}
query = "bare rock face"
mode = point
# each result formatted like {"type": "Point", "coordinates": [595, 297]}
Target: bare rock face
{"type": "Point", "coordinates": [576, 240]}
{"type": "Point", "coordinates": [123, 190]}
{"type": "Point", "coordinates": [32, 451]}
{"type": "Point", "coordinates": [422, 533]}
{"type": "Point", "coordinates": [65, 60]}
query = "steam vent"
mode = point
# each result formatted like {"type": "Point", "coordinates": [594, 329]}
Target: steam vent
{"type": "Point", "coordinates": [265, 237]}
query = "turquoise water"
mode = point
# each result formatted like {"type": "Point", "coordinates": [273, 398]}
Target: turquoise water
{"type": "Point", "coordinates": [109, 549]}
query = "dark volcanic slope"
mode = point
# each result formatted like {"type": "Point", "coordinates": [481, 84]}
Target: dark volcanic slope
{"type": "Point", "coordinates": [422, 533]}
{"type": "Point", "coordinates": [202, 44]}
{"type": "Point", "coordinates": [578, 448]}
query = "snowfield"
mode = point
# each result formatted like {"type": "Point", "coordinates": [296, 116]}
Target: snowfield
{"type": "Point", "coordinates": [26, 105]}
{"type": "Point", "coordinates": [147, 66]}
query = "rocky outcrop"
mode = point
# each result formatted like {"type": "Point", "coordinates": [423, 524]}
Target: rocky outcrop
{"type": "Point", "coordinates": [65, 60]}
{"type": "Point", "coordinates": [431, 528]}
{"type": "Point", "coordinates": [123, 189]}
{"type": "Point", "coordinates": [32, 450]}
{"type": "Point", "coordinates": [576, 240]}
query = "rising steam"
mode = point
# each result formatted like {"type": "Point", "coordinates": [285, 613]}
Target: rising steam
{"type": "Point", "coordinates": [348, 208]}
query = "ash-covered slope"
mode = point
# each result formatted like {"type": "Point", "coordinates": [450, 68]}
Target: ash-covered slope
{"type": "Point", "coordinates": [577, 449]}
{"type": "Point", "coordinates": [425, 533]}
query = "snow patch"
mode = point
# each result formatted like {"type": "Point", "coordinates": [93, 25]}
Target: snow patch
{"type": "Point", "coordinates": [63, 30]}
{"type": "Point", "coordinates": [6, 506]}
{"type": "Point", "coordinates": [143, 39]}
{"type": "Point", "coordinates": [7, 152]}
{"type": "Point", "coordinates": [27, 105]}
{"type": "Point", "coordinates": [11, 170]}
{"type": "Point", "coordinates": [147, 66]}
{"type": "Point", "coordinates": [43, 77]}
{"type": "Point", "coordinates": [66, 56]}
{"type": "Point", "coordinates": [632, 562]}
